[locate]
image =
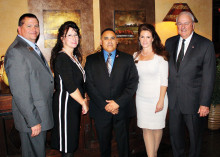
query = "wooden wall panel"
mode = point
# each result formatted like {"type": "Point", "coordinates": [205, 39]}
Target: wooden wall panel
{"type": "Point", "coordinates": [107, 15]}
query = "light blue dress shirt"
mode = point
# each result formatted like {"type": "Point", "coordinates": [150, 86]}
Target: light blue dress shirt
{"type": "Point", "coordinates": [30, 43]}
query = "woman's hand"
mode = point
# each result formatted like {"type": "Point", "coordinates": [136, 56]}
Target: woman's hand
{"type": "Point", "coordinates": [159, 106]}
{"type": "Point", "coordinates": [85, 106]}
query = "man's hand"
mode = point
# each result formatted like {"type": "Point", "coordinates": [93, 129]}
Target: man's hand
{"type": "Point", "coordinates": [115, 112]}
{"type": "Point", "coordinates": [203, 111]}
{"type": "Point", "coordinates": [35, 130]}
{"type": "Point", "coordinates": [112, 107]}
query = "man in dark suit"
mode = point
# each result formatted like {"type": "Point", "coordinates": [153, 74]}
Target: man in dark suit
{"type": "Point", "coordinates": [190, 84]}
{"type": "Point", "coordinates": [112, 80]}
{"type": "Point", "coordinates": [31, 85]}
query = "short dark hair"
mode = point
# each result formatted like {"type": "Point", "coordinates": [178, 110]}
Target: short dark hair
{"type": "Point", "coordinates": [107, 29]}
{"type": "Point", "coordinates": [21, 19]}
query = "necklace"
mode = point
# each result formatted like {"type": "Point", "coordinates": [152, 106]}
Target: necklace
{"type": "Point", "coordinates": [71, 54]}
{"type": "Point", "coordinates": [76, 61]}
{"type": "Point", "coordinates": [145, 54]}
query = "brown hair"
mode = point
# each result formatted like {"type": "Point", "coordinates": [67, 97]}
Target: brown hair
{"type": "Point", "coordinates": [158, 47]}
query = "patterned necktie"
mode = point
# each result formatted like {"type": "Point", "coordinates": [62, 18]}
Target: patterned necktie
{"type": "Point", "coordinates": [108, 64]}
{"type": "Point", "coordinates": [181, 54]}
{"type": "Point", "coordinates": [40, 54]}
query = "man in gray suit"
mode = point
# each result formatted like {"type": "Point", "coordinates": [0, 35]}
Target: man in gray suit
{"type": "Point", "coordinates": [31, 85]}
{"type": "Point", "coordinates": [190, 85]}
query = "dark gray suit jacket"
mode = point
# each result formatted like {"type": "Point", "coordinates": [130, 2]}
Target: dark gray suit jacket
{"type": "Point", "coordinates": [120, 86]}
{"type": "Point", "coordinates": [31, 84]}
{"type": "Point", "coordinates": [192, 85]}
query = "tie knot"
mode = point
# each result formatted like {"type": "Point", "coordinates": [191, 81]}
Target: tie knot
{"type": "Point", "coordinates": [109, 54]}
{"type": "Point", "coordinates": [184, 40]}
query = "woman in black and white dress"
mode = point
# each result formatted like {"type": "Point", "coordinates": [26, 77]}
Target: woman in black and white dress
{"type": "Point", "coordinates": [68, 100]}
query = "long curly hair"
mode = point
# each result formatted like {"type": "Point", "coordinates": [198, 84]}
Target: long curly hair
{"type": "Point", "coordinates": [59, 44]}
{"type": "Point", "coordinates": [157, 46]}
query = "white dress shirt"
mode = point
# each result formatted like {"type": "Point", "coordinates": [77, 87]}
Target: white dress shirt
{"type": "Point", "coordinates": [186, 44]}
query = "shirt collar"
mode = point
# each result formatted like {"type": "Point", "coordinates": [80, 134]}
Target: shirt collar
{"type": "Point", "coordinates": [106, 54]}
{"type": "Point", "coordinates": [28, 41]}
{"type": "Point", "coordinates": [187, 39]}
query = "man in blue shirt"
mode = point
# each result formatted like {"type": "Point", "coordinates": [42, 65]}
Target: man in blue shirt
{"type": "Point", "coordinates": [112, 80]}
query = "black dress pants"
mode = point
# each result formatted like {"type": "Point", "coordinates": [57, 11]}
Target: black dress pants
{"type": "Point", "coordinates": [104, 128]}
{"type": "Point", "coordinates": [195, 126]}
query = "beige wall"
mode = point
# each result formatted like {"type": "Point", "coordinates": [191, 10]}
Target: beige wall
{"type": "Point", "coordinates": [96, 20]}
{"type": "Point", "coordinates": [202, 9]}
{"type": "Point", "coordinates": [10, 11]}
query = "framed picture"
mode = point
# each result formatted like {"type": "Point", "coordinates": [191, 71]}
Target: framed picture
{"type": "Point", "coordinates": [53, 19]}
{"type": "Point", "coordinates": [126, 22]}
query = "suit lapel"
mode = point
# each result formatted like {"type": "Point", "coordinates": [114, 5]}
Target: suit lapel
{"type": "Point", "coordinates": [189, 51]}
{"type": "Point", "coordinates": [32, 51]}
{"type": "Point", "coordinates": [175, 49]}
{"type": "Point", "coordinates": [38, 57]}
{"type": "Point", "coordinates": [103, 64]}
{"type": "Point", "coordinates": [116, 63]}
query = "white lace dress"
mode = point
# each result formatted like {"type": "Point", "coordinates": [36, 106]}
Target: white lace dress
{"type": "Point", "coordinates": [152, 74]}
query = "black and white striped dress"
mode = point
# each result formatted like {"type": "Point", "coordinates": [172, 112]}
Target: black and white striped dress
{"type": "Point", "coordinates": [68, 76]}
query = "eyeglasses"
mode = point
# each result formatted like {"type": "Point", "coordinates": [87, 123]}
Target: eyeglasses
{"type": "Point", "coordinates": [72, 36]}
{"type": "Point", "coordinates": [183, 24]}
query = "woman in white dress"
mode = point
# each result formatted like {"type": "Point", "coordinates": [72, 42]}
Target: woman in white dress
{"type": "Point", "coordinates": [151, 97]}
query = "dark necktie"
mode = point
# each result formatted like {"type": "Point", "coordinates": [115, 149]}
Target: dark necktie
{"type": "Point", "coordinates": [181, 54]}
{"type": "Point", "coordinates": [40, 54]}
{"type": "Point", "coordinates": [108, 64]}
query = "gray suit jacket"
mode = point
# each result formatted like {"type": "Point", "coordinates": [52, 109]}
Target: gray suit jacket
{"type": "Point", "coordinates": [31, 84]}
{"type": "Point", "coordinates": [193, 84]}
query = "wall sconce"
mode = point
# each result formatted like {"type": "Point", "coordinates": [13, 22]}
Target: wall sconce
{"type": "Point", "coordinates": [176, 9]}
